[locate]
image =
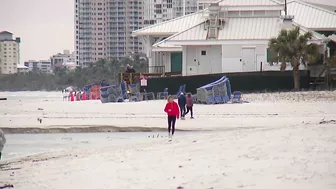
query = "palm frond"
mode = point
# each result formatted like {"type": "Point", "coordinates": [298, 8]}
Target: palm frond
{"type": "Point", "coordinates": [292, 46]}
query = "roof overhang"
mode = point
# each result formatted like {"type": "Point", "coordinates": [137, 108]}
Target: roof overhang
{"type": "Point", "coordinates": [230, 42]}
{"type": "Point", "coordinates": [332, 37]}
{"type": "Point", "coordinates": [217, 42]}
{"type": "Point", "coordinates": [323, 29]}
{"type": "Point", "coordinates": [155, 34]}
{"type": "Point", "coordinates": [167, 49]}
{"type": "Point", "coordinates": [254, 8]}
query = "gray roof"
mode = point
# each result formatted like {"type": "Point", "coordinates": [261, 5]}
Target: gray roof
{"type": "Point", "coordinates": [5, 32]}
{"type": "Point", "coordinates": [236, 29]}
{"type": "Point", "coordinates": [249, 3]}
{"type": "Point", "coordinates": [172, 26]}
{"type": "Point", "coordinates": [311, 16]}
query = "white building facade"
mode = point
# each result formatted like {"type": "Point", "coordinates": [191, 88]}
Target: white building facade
{"type": "Point", "coordinates": [43, 66]}
{"type": "Point", "coordinates": [61, 59]}
{"type": "Point", "coordinates": [9, 53]}
{"type": "Point", "coordinates": [229, 36]}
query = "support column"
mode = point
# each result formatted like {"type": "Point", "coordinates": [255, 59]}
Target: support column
{"type": "Point", "coordinates": [147, 44]}
{"type": "Point", "coordinates": [154, 58]}
{"type": "Point", "coordinates": [184, 60]}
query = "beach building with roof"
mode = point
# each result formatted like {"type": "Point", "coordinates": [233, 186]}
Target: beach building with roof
{"type": "Point", "coordinates": [230, 35]}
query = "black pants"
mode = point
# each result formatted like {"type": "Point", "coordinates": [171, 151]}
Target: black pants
{"type": "Point", "coordinates": [171, 124]}
{"type": "Point", "coordinates": [191, 111]}
{"type": "Point", "coordinates": [182, 111]}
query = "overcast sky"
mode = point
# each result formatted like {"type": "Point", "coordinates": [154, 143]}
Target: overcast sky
{"type": "Point", "coordinates": [46, 27]}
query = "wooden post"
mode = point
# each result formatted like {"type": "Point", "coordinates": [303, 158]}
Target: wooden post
{"type": "Point", "coordinates": [130, 78]}
{"type": "Point", "coordinates": [285, 7]}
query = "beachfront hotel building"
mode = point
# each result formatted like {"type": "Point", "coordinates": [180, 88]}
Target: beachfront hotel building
{"type": "Point", "coordinates": [231, 36]}
{"type": "Point", "coordinates": [103, 28]}
{"type": "Point", "coordinates": [9, 53]}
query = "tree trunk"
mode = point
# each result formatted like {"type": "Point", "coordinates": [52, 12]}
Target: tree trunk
{"type": "Point", "coordinates": [296, 77]}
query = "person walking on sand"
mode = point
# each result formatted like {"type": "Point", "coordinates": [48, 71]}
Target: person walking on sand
{"type": "Point", "coordinates": [182, 103]}
{"type": "Point", "coordinates": [190, 104]}
{"type": "Point", "coordinates": [2, 142]}
{"type": "Point", "coordinates": [173, 113]}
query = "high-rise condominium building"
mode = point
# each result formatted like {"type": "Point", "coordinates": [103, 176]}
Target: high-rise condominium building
{"type": "Point", "coordinates": [9, 53]}
{"type": "Point", "coordinates": [156, 11]}
{"type": "Point", "coordinates": [103, 27]}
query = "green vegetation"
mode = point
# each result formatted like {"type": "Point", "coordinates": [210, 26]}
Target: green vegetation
{"type": "Point", "coordinates": [61, 78]}
{"type": "Point", "coordinates": [292, 47]}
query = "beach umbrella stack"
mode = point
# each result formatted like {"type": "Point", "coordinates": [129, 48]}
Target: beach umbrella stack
{"type": "Point", "coordinates": [104, 94]}
{"type": "Point", "coordinates": [115, 94]}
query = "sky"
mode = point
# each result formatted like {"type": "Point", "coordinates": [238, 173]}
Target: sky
{"type": "Point", "coordinates": [46, 27]}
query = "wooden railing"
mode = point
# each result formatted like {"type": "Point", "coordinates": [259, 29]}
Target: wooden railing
{"type": "Point", "coordinates": [152, 69]}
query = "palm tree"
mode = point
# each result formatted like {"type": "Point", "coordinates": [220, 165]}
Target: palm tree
{"type": "Point", "coordinates": [331, 61]}
{"type": "Point", "coordinates": [292, 47]}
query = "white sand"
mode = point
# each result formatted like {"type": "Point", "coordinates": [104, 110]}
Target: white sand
{"type": "Point", "coordinates": [275, 141]}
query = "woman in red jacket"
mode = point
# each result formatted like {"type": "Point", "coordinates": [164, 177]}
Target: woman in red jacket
{"type": "Point", "coordinates": [173, 112]}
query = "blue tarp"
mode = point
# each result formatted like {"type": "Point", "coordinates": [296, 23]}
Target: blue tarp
{"type": "Point", "coordinates": [215, 95]}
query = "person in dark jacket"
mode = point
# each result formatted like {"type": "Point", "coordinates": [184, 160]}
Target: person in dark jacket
{"type": "Point", "coordinates": [182, 103]}
{"type": "Point", "coordinates": [190, 104]}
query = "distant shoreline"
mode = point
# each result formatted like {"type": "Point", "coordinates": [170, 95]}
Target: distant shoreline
{"type": "Point", "coordinates": [80, 129]}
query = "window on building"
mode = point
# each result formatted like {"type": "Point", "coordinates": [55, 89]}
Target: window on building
{"type": "Point", "coordinates": [203, 53]}
{"type": "Point", "coordinates": [271, 55]}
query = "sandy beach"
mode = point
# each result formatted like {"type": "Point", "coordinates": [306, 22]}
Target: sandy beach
{"type": "Point", "coordinates": [277, 140]}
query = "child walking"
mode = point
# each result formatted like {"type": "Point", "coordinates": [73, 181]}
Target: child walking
{"type": "Point", "coordinates": [173, 112]}
{"type": "Point", "coordinates": [190, 104]}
